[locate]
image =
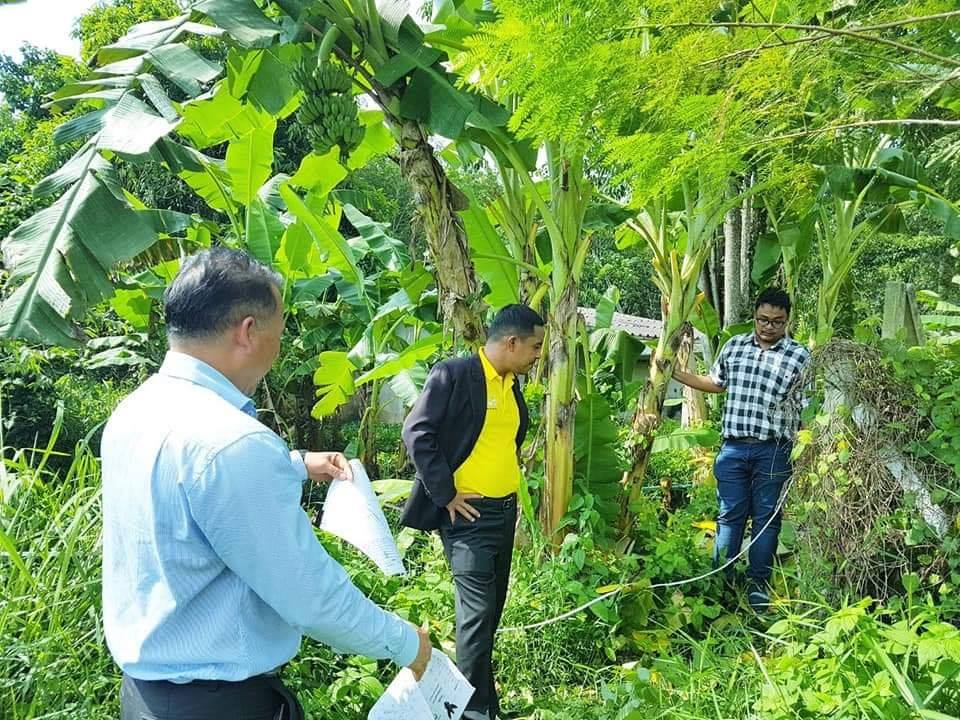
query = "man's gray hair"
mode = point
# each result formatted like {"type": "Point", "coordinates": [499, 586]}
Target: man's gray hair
{"type": "Point", "coordinates": [215, 289]}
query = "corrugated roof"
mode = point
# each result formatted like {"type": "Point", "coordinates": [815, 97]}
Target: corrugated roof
{"type": "Point", "coordinates": [641, 327]}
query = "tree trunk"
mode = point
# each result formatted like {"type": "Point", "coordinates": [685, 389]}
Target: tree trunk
{"type": "Point", "coordinates": [461, 303]}
{"type": "Point", "coordinates": [370, 409]}
{"type": "Point", "coordinates": [694, 412]}
{"type": "Point", "coordinates": [560, 409]}
{"type": "Point", "coordinates": [648, 415]}
{"type": "Point", "coordinates": [748, 236]}
{"type": "Point", "coordinates": [732, 300]}
{"type": "Point", "coordinates": [712, 270]}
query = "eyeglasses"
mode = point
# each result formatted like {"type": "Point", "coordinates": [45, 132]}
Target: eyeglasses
{"type": "Point", "coordinates": [775, 324]}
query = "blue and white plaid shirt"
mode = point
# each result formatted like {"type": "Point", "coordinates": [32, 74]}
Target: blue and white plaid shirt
{"type": "Point", "coordinates": [764, 387]}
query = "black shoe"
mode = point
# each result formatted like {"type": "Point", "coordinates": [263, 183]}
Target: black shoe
{"type": "Point", "coordinates": [759, 597]}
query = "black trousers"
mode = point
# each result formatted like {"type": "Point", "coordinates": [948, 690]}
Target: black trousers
{"type": "Point", "coordinates": [258, 698]}
{"type": "Point", "coordinates": [479, 555]}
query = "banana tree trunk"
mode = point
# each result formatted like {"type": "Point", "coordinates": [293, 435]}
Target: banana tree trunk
{"type": "Point", "coordinates": [368, 429]}
{"type": "Point", "coordinates": [694, 411]}
{"type": "Point", "coordinates": [649, 412]}
{"type": "Point", "coordinates": [438, 200]}
{"type": "Point", "coordinates": [560, 409]}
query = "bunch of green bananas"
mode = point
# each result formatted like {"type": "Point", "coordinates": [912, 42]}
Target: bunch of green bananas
{"type": "Point", "coordinates": [328, 111]}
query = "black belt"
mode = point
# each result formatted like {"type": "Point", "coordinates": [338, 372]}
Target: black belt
{"type": "Point", "coordinates": [507, 501]}
{"type": "Point", "coordinates": [749, 440]}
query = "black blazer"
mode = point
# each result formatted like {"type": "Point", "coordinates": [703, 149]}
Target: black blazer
{"type": "Point", "coordinates": [440, 433]}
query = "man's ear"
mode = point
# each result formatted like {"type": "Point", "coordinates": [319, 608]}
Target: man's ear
{"type": "Point", "coordinates": [244, 332]}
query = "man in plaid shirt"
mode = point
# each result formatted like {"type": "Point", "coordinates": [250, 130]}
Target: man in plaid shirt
{"type": "Point", "coordinates": [762, 374]}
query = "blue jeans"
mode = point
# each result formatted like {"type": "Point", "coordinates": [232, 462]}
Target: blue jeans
{"type": "Point", "coordinates": [750, 477]}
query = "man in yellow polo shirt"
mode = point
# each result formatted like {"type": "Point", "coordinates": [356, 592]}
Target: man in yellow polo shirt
{"type": "Point", "coordinates": [464, 435]}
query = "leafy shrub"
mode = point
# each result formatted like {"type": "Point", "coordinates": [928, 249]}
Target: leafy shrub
{"type": "Point", "coordinates": [863, 661]}
{"type": "Point", "coordinates": [40, 386]}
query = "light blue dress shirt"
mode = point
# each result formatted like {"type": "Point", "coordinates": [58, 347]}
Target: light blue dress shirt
{"type": "Point", "coordinates": [211, 569]}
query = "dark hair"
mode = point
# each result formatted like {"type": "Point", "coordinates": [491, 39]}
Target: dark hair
{"type": "Point", "coordinates": [775, 297]}
{"type": "Point", "coordinates": [516, 319]}
{"type": "Point", "coordinates": [216, 289]}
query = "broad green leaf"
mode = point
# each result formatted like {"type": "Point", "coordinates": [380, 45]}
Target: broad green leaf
{"type": "Point", "coordinates": [415, 281]}
{"type": "Point", "coordinates": [607, 307]}
{"type": "Point", "coordinates": [328, 239]}
{"type": "Point", "coordinates": [421, 350]}
{"type": "Point", "coordinates": [298, 255]}
{"type": "Point", "coordinates": [167, 222]}
{"type": "Point", "coordinates": [80, 127]}
{"type": "Point", "coordinates": [393, 490]}
{"type": "Point", "coordinates": [250, 161]}
{"type": "Point", "coordinates": [334, 380]}
{"type": "Point", "coordinates": [766, 256]}
{"type": "Point", "coordinates": [62, 257]}
{"type": "Point", "coordinates": [501, 276]}
{"type": "Point", "coordinates": [272, 89]}
{"type": "Point", "coordinates": [377, 139]}
{"type": "Point", "coordinates": [242, 65]}
{"type": "Point", "coordinates": [407, 384]}
{"type": "Point", "coordinates": [158, 97]}
{"type": "Point", "coordinates": [705, 318]}
{"type": "Point", "coordinates": [687, 438]}
{"type": "Point", "coordinates": [85, 86]}
{"type": "Point", "coordinates": [142, 38]}
{"type": "Point", "coordinates": [595, 456]}
{"type": "Point", "coordinates": [134, 307]}
{"type": "Point", "coordinates": [264, 230]}
{"type": "Point", "coordinates": [213, 120]}
{"type": "Point", "coordinates": [319, 173]}
{"type": "Point", "coordinates": [212, 183]}
{"type": "Point", "coordinates": [131, 128]}
{"type": "Point", "coordinates": [603, 215]}
{"type": "Point", "coordinates": [241, 19]}
{"type": "Point", "coordinates": [594, 438]}
{"type": "Point", "coordinates": [946, 212]}
{"type": "Point", "coordinates": [391, 252]}
{"type": "Point", "coordinates": [184, 67]}
{"type": "Point", "coordinates": [399, 301]}
{"type": "Point", "coordinates": [87, 159]}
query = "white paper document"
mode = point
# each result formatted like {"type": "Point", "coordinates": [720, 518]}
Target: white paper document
{"type": "Point", "coordinates": [352, 512]}
{"type": "Point", "coordinates": [441, 694]}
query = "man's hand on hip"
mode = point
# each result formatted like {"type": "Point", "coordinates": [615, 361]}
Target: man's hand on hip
{"type": "Point", "coordinates": [460, 506]}
{"type": "Point", "coordinates": [324, 466]}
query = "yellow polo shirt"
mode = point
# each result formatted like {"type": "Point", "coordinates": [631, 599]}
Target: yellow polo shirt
{"type": "Point", "coordinates": [492, 468]}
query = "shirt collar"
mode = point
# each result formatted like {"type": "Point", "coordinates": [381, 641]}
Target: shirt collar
{"type": "Point", "coordinates": [776, 346]}
{"type": "Point", "coordinates": [490, 371]}
{"type": "Point", "coordinates": [186, 367]}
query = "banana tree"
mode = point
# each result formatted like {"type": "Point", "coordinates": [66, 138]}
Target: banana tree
{"type": "Point", "coordinates": [865, 196]}
{"type": "Point", "coordinates": [153, 98]}
{"type": "Point", "coordinates": [680, 235]}
{"type": "Point", "coordinates": [403, 70]}
{"type": "Point", "coordinates": [388, 330]}
{"type": "Point", "coordinates": [559, 205]}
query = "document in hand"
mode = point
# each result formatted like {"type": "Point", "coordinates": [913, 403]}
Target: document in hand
{"type": "Point", "coordinates": [352, 512]}
{"type": "Point", "coordinates": [441, 694]}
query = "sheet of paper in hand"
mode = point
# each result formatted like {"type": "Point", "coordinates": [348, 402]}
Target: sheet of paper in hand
{"type": "Point", "coordinates": [441, 694]}
{"type": "Point", "coordinates": [352, 512]}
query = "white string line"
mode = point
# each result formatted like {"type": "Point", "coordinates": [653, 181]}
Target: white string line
{"type": "Point", "coordinates": [673, 583]}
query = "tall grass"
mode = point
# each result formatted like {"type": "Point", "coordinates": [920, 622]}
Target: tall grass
{"type": "Point", "coordinates": [53, 661]}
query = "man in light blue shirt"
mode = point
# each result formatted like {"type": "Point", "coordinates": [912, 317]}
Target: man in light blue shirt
{"type": "Point", "coordinates": [211, 569]}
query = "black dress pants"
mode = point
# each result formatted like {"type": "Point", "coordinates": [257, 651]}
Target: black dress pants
{"type": "Point", "coordinates": [479, 555]}
{"type": "Point", "coordinates": [258, 698]}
